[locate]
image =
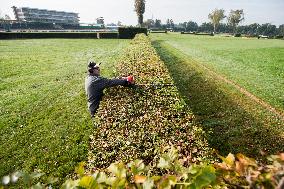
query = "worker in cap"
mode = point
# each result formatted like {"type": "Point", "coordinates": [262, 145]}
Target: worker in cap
{"type": "Point", "coordinates": [95, 84]}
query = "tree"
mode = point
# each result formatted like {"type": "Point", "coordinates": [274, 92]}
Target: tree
{"type": "Point", "coordinates": [235, 17]}
{"type": "Point", "coordinates": [119, 23]}
{"type": "Point", "coordinates": [149, 23]}
{"type": "Point", "coordinates": [158, 23]}
{"type": "Point", "coordinates": [170, 23]}
{"type": "Point", "coordinates": [191, 26]}
{"type": "Point", "coordinates": [253, 29]}
{"type": "Point", "coordinates": [216, 16]}
{"type": "Point", "coordinates": [100, 20]}
{"type": "Point", "coordinates": [267, 29]}
{"type": "Point", "coordinates": [224, 28]}
{"type": "Point", "coordinates": [140, 9]}
{"type": "Point", "coordinates": [281, 30]}
{"type": "Point", "coordinates": [205, 27]}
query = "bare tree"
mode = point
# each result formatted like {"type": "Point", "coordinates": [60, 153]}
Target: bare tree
{"type": "Point", "coordinates": [140, 9]}
{"type": "Point", "coordinates": [216, 16]}
{"type": "Point", "coordinates": [235, 17]}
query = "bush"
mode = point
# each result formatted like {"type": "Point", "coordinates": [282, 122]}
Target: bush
{"type": "Point", "coordinates": [38, 35]}
{"type": "Point", "coordinates": [188, 32]}
{"type": "Point", "coordinates": [237, 35]}
{"type": "Point", "coordinates": [234, 172]}
{"type": "Point", "coordinates": [137, 123]}
{"type": "Point", "coordinates": [279, 37]}
{"type": "Point", "coordinates": [130, 32]}
{"type": "Point", "coordinates": [158, 31]}
{"type": "Point", "coordinates": [107, 35]}
{"type": "Point", "coordinates": [210, 34]}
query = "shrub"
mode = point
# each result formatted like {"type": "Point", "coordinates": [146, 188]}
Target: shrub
{"type": "Point", "coordinates": [108, 35]}
{"type": "Point", "coordinates": [234, 172]}
{"type": "Point", "coordinates": [137, 123]}
{"type": "Point", "coordinates": [158, 31]}
{"type": "Point", "coordinates": [210, 34]}
{"type": "Point", "coordinates": [130, 32]}
{"type": "Point", "coordinates": [237, 35]}
{"type": "Point", "coordinates": [37, 35]}
{"type": "Point", "coordinates": [279, 37]}
{"type": "Point", "coordinates": [188, 32]}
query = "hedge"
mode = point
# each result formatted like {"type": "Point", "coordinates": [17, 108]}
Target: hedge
{"type": "Point", "coordinates": [37, 35]}
{"type": "Point", "coordinates": [188, 33]}
{"type": "Point", "coordinates": [130, 32]}
{"type": "Point", "coordinates": [123, 33]}
{"type": "Point", "coordinates": [210, 34]}
{"type": "Point", "coordinates": [138, 123]}
{"type": "Point", "coordinates": [107, 35]}
{"type": "Point", "coordinates": [151, 31]}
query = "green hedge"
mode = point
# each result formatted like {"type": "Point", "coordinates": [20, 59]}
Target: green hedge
{"type": "Point", "coordinates": [130, 32]}
{"type": "Point", "coordinates": [164, 31]}
{"type": "Point", "coordinates": [38, 35]}
{"type": "Point", "coordinates": [210, 34]}
{"type": "Point", "coordinates": [124, 33]}
{"type": "Point", "coordinates": [140, 122]}
{"type": "Point", "coordinates": [107, 35]}
{"type": "Point", "coordinates": [193, 33]}
{"type": "Point", "coordinates": [237, 35]}
{"type": "Point", "coordinates": [31, 35]}
{"type": "Point", "coordinates": [279, 37]}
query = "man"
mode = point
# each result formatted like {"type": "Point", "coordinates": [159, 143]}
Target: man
{"type": "Point", "coordinates": [94, 86]}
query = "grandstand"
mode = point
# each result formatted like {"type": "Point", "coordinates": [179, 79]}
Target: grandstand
{"type": "Point", "coordinates": [37, 20]}
{"type": "Point", "coordinates": [40, 19]}
{"type": "Point", "coordinates": [27, 14]}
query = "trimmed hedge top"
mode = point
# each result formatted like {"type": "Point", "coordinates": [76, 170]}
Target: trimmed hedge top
{"type": "Point", "coordinates": [139, 123]}
{"type": "Point", "coordinates": [130, 32]}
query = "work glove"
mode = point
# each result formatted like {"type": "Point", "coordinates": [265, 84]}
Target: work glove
{"type": "Point", "coordinates": [130, 80]}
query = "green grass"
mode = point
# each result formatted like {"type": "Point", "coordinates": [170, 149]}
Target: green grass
{"type": "Point", "coordinates": [233, 121]}
{"type": "Point", "coordinates": [255, 64]}
{"type": "Point", "coordinates": [44, 121]}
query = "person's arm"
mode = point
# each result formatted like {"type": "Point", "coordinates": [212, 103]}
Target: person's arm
{"type": "Point", "coordinates": [105, 83]}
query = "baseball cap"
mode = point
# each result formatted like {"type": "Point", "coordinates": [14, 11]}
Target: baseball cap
{"type": "Point", "coordinates": [93, 65]}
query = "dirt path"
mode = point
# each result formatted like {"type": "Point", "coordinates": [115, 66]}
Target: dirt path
{"type": "Point", "coordinates": [247, 93]}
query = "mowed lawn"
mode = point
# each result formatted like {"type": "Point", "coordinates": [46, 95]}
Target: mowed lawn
{"type": "Point", "coordinates": [44, 122]}
{"type": "Point", "coordinates": [234, 121]}
{"type": "Point", "coordinates": [255, 64]}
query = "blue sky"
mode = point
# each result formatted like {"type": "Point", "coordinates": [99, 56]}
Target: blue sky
{"type": "Point", "coordinates": [259, 11]}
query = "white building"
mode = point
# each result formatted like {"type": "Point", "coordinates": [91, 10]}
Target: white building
{"type": "Point", "coordinates": [27, 14]}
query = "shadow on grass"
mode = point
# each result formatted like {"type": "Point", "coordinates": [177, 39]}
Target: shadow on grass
{"type": "Point", "coordinates": [219, 108]}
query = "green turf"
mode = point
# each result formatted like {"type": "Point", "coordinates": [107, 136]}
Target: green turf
{"type": "Point", "coordinates": [233, 121]}
{"type": "Point", "coordinates": [44, 122]}
{"type": "Point", "coordinates": [255, 64]}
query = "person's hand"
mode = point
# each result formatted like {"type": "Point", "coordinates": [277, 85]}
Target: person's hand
{"type": "Point", "coordinates": [130, 79]}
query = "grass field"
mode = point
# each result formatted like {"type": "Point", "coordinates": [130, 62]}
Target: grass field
{"type": "Point", "coordinates": [234, 121]}
{"type": "Point", "coordinates": [45, 125]}
{"type": "Point", "coordinates": [44, 122]}
{"type": "Point", "coordinates": [257, 65]}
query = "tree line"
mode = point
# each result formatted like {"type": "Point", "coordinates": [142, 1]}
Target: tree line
{"type": "Point", "coordinates": [254, 29]}
{"type": "Point", "coordinates": [233, 19]}
{"type": "Point", "coordinates": [215, 25]}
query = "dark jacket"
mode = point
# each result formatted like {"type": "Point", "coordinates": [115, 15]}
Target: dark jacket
{"type": "Point", "coordinates": [94, 86]}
